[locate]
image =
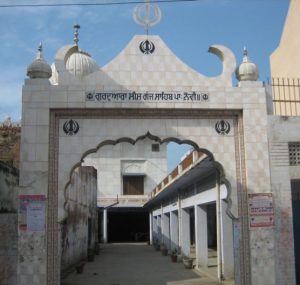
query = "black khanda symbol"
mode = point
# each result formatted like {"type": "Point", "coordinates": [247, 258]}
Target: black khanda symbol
{"type": "Point", "coordinates": [222, 127]}
{"type": "Point", "coordinates": [147, 47]}
{"type": "Point", "coordinates": [71, 127]}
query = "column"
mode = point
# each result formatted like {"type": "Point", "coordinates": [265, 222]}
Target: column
{"type": "Point", "coordinates": [185, 232]}
{"type": "Point", "coordinates": [155, 230]}
{"type": "Point", "coordinates": [174, 230]}
{"type": "Point", "coordinates": [104, 226]}
{"type": "Point", "coordinates": [166, 230]}
{"type": "Point", "coordinates": [201, 235]}
{"type": "Point", "coordinates": [150, 227]}
{"type": "Point", "coordinates": [159, 235]}
{"type": "Point", "coordinates": [179, 223]}
{"type": "Point", "coordinates": [227, 241]}
{"type": "Point", "coordinates": [219, 235]}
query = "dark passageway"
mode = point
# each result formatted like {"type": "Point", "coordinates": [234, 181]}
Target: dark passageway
{"type": "Point", "coordinates": [128, 225]}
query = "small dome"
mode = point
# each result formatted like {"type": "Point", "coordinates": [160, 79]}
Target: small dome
{"type": "Point", "coordinates": [247, 70]}
{"type": "Point", "coordinates": [80, 63]}
{"type": "Point", "coordinates": [39, 68]}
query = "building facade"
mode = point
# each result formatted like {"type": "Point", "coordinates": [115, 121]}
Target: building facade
{"type": "Point", "coordinates": [231, 195]}
{"type": "Point", "coordinates": [126, 175]}
{"type": "Point", "coordinates": [285, 61]}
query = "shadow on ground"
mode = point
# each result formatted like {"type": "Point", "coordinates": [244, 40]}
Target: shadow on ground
{"type": "Point", "coordinates": [134, 264]}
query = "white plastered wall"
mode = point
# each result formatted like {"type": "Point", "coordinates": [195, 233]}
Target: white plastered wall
{"type": "Point", "coordinates": [283, 130]}
{"type": "Point", "coordinates": [112, 162]}
{"type": "Point", "coordinates": [134, 71]}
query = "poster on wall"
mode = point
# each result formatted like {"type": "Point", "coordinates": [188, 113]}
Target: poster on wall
{"type": "Point", "coordinates": [261, 210]}
{"type": "Point", "coordinates": [32, 213]}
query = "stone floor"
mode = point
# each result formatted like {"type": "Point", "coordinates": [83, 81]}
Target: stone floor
{"type": "Point", "coordinates": [135, 264]}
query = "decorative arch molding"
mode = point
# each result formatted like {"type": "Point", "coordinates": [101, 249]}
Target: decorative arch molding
{"type": "Point", "coordinates": [53, 267]}
{"type": "Point", "coordinates": [221, 176]}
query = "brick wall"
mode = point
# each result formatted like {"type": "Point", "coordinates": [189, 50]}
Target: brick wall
{"type": "Point", "coordinates": [8, 224]}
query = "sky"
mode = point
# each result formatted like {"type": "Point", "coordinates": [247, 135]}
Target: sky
{"type": "Point", "coordinates": [188, 28]}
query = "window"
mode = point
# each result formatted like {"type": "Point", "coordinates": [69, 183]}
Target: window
{"type": "Point", "coordinates": [133, 185]}
{"type": "Point", "coordinates": [294, 153]}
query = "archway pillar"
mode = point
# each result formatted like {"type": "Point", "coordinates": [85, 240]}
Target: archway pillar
{"type": "Point", "coordinates": [166, 230]}
{"type": "Point", "coordinates": [150, 227]}
{"type": "Point", "coordinates": [185, 232]}
{"type": "Point", "coordinates": [159, 230]}
{"type": "Point", "coordinates": [105, 238]}
{"type": "Point", "coordinates": [155, 229]}
{"type": "Point", "coordinates": [174, 230]}
{"type": "Point", "coordinates": [227, 240]}
{"type": "Point", "coordinates": [201, 235]}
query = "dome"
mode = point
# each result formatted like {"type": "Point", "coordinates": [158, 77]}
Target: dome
{"type": "Point", "coordinates": [39, 68]}
{"type": "Point", "coordinates": [247, 70]}
{"type": "Point", "coordinates": [80, 63]}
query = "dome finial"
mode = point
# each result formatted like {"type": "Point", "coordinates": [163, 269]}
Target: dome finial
{"type": "Point", "coordinates": [76, 33]}
{"type": "Point", "coordinates": [40, 51]}
{"type": "Point", "coordinates": [39, 68]}
{"type": "Point", "coordinates": [40, 48]}
{"type": "Point", "coordinates": [247, 70]}
{"type": "Point", "coordinates": [245, 55]}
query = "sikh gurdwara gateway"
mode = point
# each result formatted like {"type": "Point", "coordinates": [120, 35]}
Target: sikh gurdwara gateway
{"type": "Point", "coordinates": [94, 145]}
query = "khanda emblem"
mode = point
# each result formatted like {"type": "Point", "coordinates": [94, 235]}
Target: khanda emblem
{"type": "Point", "coordinates": [147, 47]}
{"type": "Point", "coordinates": [222, 127]}
{"type": "Point", "coordinates": [71, 127]}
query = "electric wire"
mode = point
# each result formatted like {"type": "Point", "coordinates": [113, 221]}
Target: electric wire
{"type": "Point", "coordinates": [104, 3]}
{"type": "Point", "coordinates": [92, 4]}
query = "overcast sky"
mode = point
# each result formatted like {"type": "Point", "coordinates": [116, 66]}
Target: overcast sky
{"type": "Point", "coordinates": [188, 28]}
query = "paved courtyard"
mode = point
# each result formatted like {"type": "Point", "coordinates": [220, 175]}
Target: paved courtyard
{"type": "Point", "coordinates": [135, 264]}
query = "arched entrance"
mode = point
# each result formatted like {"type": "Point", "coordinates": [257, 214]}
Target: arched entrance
{"type": "Point", "coordinates": [193, 123]}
